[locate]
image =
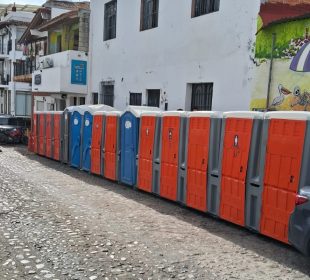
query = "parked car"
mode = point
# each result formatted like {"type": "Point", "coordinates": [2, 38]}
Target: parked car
{"type": "Point", "coordinates": [299, 229]}
{"type": "Point", "coordinates": [14, 130]}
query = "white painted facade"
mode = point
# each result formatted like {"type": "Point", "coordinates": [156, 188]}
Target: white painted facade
{"type": "Point", "coordinates": [15, 97]}
{"type": "Point", "coordinates": [57, 77]}
{"type": "Point", "coordinates": [213, 48]}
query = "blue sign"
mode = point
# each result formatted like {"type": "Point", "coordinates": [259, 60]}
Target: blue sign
{"type": "Point", "coordinates": [78, 72]}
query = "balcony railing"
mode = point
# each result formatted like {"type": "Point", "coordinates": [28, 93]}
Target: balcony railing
{"type": "Point", "coordinates": [24, 67]}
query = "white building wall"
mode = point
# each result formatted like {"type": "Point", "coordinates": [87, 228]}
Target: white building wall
{"type": "Point", "coordinates": [14, 33]}
{"type": "Point", "coordinates": [181, 50]}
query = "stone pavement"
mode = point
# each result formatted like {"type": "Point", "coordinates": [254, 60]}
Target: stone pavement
{"type": "Point", "coordinates": [60, 223]}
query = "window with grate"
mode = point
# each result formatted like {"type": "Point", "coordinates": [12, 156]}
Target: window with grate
{"type": "Point", "coordinates": [202, 7]}
{"type": "Point", "coordinates": [95, 98]}
{"type": "Point", "coordinates": [135, 98]}
{"type": "Point", "coordinates": [149, 14]}
{"type": "Point", "coordinates": [108, 94]}
{"type": "Point", "coordinates": [82, 100]}
{"type": "Point", "coordinates": [202, 95]}
{"type": "Point", "coordinates": [110, 9]}
{"type": "Point", "coordinates": [153, 97]}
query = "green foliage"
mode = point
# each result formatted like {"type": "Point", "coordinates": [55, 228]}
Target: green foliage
{"type": "Point", "coordinates": [285, 33]}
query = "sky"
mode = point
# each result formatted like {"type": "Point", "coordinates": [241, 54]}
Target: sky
{"type": "Point", "coordinates": [32, 2]}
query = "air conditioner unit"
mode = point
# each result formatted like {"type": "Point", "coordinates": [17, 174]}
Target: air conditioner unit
{"type": "Point", "coordinates": [47, 63]}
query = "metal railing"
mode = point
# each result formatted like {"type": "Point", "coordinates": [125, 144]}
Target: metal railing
{"type": "Point", "coordinates": [24, 67]}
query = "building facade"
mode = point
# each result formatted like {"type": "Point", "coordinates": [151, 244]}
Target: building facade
{"type": "Point", "coordinates": [190, 55]}
{"type": "Point", "coordinates": [60, 79]}
{"type": "Point", "coordinates": [15, 96]}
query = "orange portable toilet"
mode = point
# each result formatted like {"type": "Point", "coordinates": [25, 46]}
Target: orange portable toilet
{"type": "Point", "coordinates": [56, 134]}
{"type": "Point", "coordinates": [41, 130]}
{"type": "Point", "coordinates": [110, 156]}
{"type": "Point", "coordinates": [173, 126]}
{"type": "Point", "coordinates": [48, 134]}
{"type": "Point", "coordinates": [148, 148]}
{"type": "Point", "coordinates": [34, 132]}
{"type": "Point", "coordinates": [238, 131]}
{"type": "Point", "coordinates": [286, 173]}
{"type": "Point", "coordinates": [98, 131]}
{"type": "Point", "coordinates": [202, 127]}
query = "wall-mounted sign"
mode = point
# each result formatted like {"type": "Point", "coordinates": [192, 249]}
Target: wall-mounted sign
{"type": "Point", "coordinates": [78, 72]}
{"type": "Point", "coordinates": [37, 79]}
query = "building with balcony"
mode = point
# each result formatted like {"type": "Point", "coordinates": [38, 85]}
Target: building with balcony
{"type": "Point", "coordinates": [60, 75]}
{"type": "Point", "coordinates": [15, 96]}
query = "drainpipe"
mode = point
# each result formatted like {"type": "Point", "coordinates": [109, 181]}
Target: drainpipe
{"type": "Point", "coordinates": [270, 70]}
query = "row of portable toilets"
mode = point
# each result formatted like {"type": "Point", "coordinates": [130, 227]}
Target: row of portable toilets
{"type": "Point", "coordinates": [244, 167]}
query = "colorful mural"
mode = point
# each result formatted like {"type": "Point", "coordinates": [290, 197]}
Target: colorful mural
{"type": "Point", "coordinates": [282, 58]}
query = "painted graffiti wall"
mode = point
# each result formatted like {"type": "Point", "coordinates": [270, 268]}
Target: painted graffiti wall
{"type": "Point", "coordinates": [282, 58]}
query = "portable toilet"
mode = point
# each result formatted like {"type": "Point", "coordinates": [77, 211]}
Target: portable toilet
{"type": "Point", "coordinates": [65, 153]}
{"type": "Point", "coordinates": [110, 152]}
{"type": "Point", "coordinates": [239, 134]}
{"type": "Point", "coordinates": [130, 123]}
{"type": "Point", "coordinates": [48, 134]}
{"type": "Point", "coordinates": [80, 134]}
{"type": "Point", "coordinates": [56, 134]}
{"type": "Point", "coordinates": [76, 124]}
{"type": "Point", "coordinates": [286, 178]}
{"type": "Point", "coordinates": [97, 142]}
{"type": "Point", "coordinates": [34, 132]}
{"type": "Point", "coordinates": [41, 134]}
{"type": "Point", "coordinates": [173, 135]}
{"type": "Point", "coordinates": [87, 130]}
{"type": "Point", "coordinates": [149, 150]}
{"type": "Point", "coordinates": [201, 148]}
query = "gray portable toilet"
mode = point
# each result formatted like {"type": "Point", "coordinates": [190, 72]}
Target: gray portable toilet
{"type": "Point", "coordinates": [238, 142]}
{"type": "Point", "coordinates": [286, 193]}
{"type": "Point", "coordinates": [149, 152]}
{"type": "Point", "coordinates": [65, 136]}
{"type": "Point", "coordinates": [202, 142]}
{"type": "Point", "coordinates": [172, 154]}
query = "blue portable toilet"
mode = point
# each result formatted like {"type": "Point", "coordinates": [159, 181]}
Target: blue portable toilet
{"type": "Point", "coordinates": [76, 124]}
{"type": "Point", "coordinates": [87, 133]}
{"type": "Point", "coordinates": [129, 131]}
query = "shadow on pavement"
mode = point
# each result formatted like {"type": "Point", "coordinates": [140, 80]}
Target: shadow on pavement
{"type": "Point", "coordinates": [258, 244]}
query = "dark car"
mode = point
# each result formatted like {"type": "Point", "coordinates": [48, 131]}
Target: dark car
{"type": "Point", "coordinates": [14, 130]}
{"type": "Point", "coordinates": [299, 228]}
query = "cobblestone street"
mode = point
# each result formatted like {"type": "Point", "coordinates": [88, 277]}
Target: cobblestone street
{"type": "Point", "coordinates": [60, 223]}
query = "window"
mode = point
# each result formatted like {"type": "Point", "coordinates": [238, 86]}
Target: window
{"type": "Point", "coordinates": [149, 14]}
{"type": "Point", "coordinates": [108, 94]}
{"type": "Point", "coordinates": [202, 97]}
{"type": "Point", "coordinates": [95, 98]}
{"type": "Point", "coordinates": [23, 104]}
{"type": "Point", "coordinates": [82, 100]}
{"type": "Point", "coordinates": [74, 101]}
{"type": "Point", "coordinates": [135, 98]}
{"type": "Point", "coordinates": [153, 97]}
{"type": "Point", "coordinates": [40, 106]}
{"type": "Point", "coordinates": [76, 40]}
{"type": "Point", "coordinates": [110, 9]}
{"type": "Point", "coordinates": [202, 7]}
